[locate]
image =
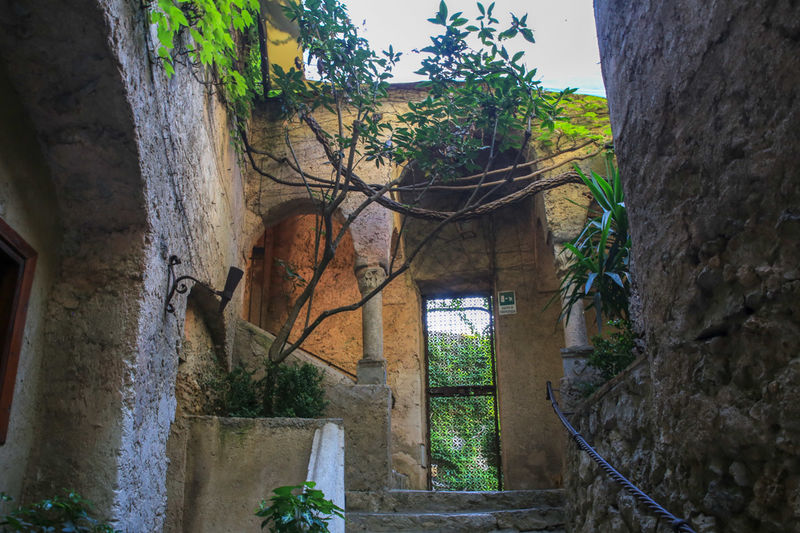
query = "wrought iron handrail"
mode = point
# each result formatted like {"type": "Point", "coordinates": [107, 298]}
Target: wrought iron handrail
{"type": "Point", "coordinates": [677, 524]}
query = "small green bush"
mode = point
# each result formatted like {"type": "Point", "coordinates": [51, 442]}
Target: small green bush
{"type": "Point", "coordinates": [242, 395]}
{"type": "Point", "coordinates": [614, 353]}
{"type": "Point", "coordinates": [293, 391]}
{"type": "Point", "coordinates": [68, 513]}
{"type": "Point", "coordinates": [306, 512]}
{"type": "Point", "coordinates": [286, 390]}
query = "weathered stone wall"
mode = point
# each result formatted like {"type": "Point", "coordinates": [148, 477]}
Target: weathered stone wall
{"type": "Point", "coordinates": [28, 205]}
{"type": "Point", "coordinates": [703, 99]}
{"type": "Point", "coordinates": [142, 167]}
{"type": "Point", "coordinates": [618, 420]}
{"type": "Point", "coordinates": [235, 463]}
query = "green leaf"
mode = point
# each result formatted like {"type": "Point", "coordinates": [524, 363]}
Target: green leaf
{"type": "Point", "coordinates": [527, 35]}
{"type": "Point", "coordinates": [165, 37]}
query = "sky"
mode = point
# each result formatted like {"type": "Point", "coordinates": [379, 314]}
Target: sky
{"type": "Point", "coordinates": [565, 52]}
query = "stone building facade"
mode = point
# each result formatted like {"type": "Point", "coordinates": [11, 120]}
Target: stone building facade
{"type": "Point", "coordinates": [107, 168]}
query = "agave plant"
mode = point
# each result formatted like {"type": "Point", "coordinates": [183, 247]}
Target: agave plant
{"type": "Point", "coordinates": [598, 266]}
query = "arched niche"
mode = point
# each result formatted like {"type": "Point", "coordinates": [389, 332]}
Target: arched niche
{"type": "Point", "coordinates": [279, 265]}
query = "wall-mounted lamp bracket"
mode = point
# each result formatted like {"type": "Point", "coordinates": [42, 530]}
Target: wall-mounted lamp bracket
{"type": "Point", "coordinates": [178, 284]}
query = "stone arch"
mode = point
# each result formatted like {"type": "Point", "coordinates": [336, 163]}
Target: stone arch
{"type": "Point", "coordinates": [280, 261]}
{"type": "Point", "coordinates": [102, 422]}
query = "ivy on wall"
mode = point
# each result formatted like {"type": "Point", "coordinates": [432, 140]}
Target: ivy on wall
{"type": "Point", "coordinates": [222, 36]}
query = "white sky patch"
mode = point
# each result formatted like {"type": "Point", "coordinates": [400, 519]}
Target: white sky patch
{"type": "Point", "coordinates": [565, 52]}
{"type": "Point", "coordinates": [448, 321]}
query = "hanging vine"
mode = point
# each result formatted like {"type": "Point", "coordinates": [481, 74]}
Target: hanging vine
{"type": "Point", "coordinates": [222, 36]}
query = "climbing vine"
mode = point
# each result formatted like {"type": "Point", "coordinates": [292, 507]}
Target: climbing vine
{"type": "Point", "coordinates": [222, 36]}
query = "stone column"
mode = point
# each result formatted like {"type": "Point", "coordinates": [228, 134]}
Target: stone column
{"type": "Point", "coordinates": [577, 348]}
{"type": "Point", "coordinates": [372, 366]}
{"type": "Point", "coordinates": [575, 334]}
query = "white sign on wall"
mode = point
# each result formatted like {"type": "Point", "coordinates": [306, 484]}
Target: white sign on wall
{"type": "Point", "coordinates": [507, 303]}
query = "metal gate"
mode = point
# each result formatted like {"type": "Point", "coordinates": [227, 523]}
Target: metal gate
{"type": "Point", "coordinates": [463, 431]}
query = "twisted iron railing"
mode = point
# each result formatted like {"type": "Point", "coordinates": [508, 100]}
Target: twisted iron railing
{"type": "Point", "coordinates": [677, 524]}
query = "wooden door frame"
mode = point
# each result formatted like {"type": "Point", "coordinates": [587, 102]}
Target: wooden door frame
{"type": "Point", "coordinates": [15, 247]}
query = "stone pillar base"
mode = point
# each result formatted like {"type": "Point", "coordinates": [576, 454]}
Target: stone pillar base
{"type": "Point", "coordinates": [371, 372]}
{"type": "Point", "coordinates": [577, 374]}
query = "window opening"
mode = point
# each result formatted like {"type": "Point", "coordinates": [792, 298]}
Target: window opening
{"type": "Point", "coordinates": [17, 263]}
{"type": "Point", "coordinates": [463, 428]}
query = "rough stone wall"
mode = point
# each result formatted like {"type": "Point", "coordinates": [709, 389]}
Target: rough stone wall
{"type": "Point", "coordinates": [26, 200]}
{"type": "Point", "coordinates": [703, 99]}
{"type": "Point", "coordinates": [618, 419]}
{"type": "Point", "coordinates": [142, 168]}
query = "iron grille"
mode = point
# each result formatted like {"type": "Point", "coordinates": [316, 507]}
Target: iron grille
{"type": "Point", "coordinates": [462, 413]}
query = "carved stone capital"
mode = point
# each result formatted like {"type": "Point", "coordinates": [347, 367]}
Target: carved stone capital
{"type": "Point", "coordinates": [369, 278]}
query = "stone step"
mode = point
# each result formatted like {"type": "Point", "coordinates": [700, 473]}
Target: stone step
{"type": "Point", "coordinates": [542, 520]}
{"type": "Point", "coordinates": [420, 501]}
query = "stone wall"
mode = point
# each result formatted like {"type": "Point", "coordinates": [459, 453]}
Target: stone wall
{"type": "Point", "coordinates": [707, 152]}
{"type": "Point", "coordinates": [27, 204]}
{"type": "Point", "coordinates": [235, 463]}
{"type": "Point", "coordinates": [141, 167]}
{"type": "Point", "coordinates": [618, 421]}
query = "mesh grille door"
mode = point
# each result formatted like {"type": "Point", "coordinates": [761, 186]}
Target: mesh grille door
{"type": "Point", "coordinates": [462, 411]}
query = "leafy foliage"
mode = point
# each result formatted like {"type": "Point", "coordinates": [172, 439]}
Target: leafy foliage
{"type": "Point", "coordinates": [614, 353]}
{"type": "Point", "coordinates": [69, 513]}
{"type": "Point", "coordinates": [583, 118]}
{"type": "Point", "coordinates": [464, 443]}
{"type": "Point", "coordinates": [462, 356]}
{"type": "Point", "coordinates": [222, 37]}
{"type": "Point", "coordinates": [286, 390]}
{"type": "Point", "coordinates": [306, 512]}
{"type": "Point", "coordinates": [477, 98]}
{"type": "Point", "coordinates": [598, 270]}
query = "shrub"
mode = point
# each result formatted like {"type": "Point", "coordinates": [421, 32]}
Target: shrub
{"type": "Point", "coordinates": [285, 390]}
{"type": "Point", "coordinates": [67, 513]}
{"type": "Point", "coordinates": [614, 353]}
{"type": "Point", "coordinates": [598, 270]}
{"type": "Point", "coordinates": [293, 391]}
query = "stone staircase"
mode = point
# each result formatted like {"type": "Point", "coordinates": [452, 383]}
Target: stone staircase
{"type": "Point", "coordinates": [455, 512]}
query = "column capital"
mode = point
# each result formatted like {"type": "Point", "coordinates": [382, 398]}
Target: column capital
{"type": "Point", "coordinates": [369, 277]}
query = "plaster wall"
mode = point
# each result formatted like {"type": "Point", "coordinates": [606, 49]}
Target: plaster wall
{"type": "Point", "coordinates": [28, 205]}
{"type": "Point", "coordinates": [142, 167]}
{"type": "Point", "coordinates": [709, 160]}
{"type": "Point", "coordinates": [528, 350]}
{"type": "Point", "coordinates": [338, 340]}
{"type": "Point", "coordinates": [235, 463]}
